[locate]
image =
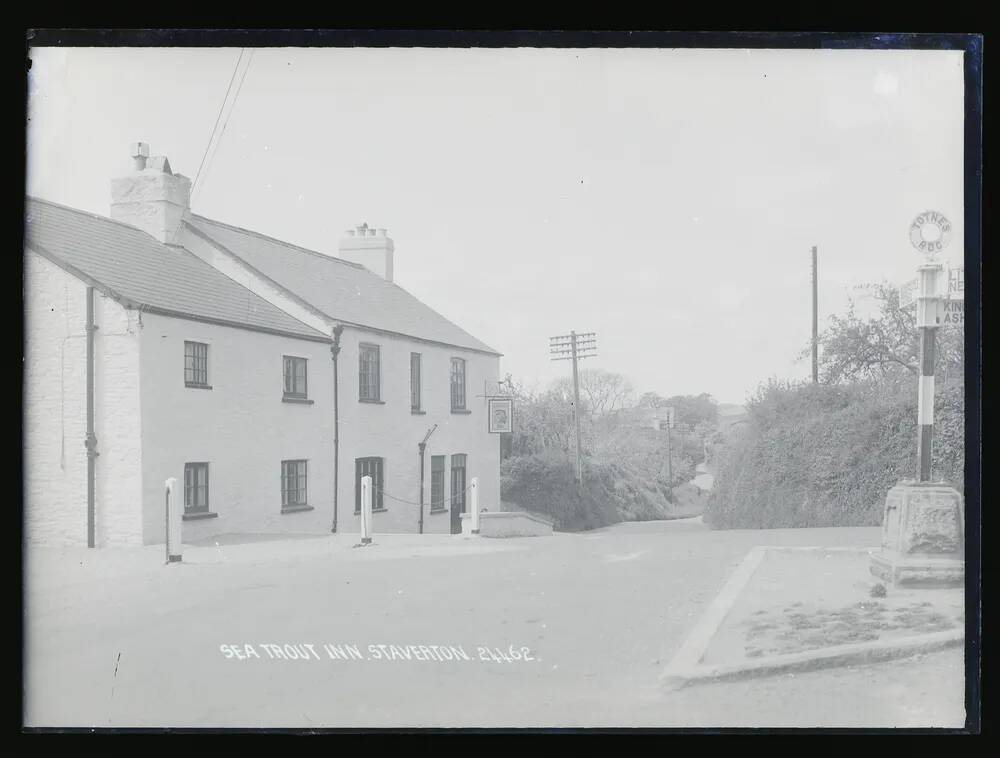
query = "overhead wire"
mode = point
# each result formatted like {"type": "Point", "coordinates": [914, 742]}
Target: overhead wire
{"type": "Point", "coordinates": [232, 107]}
{"type": "Point", "coordinates": [218, 117]}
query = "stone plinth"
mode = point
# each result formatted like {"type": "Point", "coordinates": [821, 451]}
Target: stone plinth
{"type": "Point", "coordinates": [508, 524]}
{"type": "Point", "coordinates": [923, 535]}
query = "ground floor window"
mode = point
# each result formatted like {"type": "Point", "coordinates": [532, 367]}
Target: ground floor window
{"type": "Point", "coordinates": [293, 483]}
{"type": "Point", "coordinates": [437, 483]}
{"type": "Point", "coordinates": [372, 467]}
{"type": "Point", "coordinates": [458, 482]}
{"type": "Point", "coordinates": [196, 488]}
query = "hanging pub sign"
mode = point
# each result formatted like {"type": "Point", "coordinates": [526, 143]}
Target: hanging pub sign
{"type": "Point", "coordinates": [501, 415]}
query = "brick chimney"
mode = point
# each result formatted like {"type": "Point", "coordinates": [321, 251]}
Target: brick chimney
{"type": "Point", "coordinates": [151, 197]}
{"type": "Point", "coordinates": [372, 248]}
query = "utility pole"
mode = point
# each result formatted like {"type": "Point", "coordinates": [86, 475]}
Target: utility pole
{"type": "Point", "coordinates": [574, 347]}
{"type": "Point", "coordinates": [815, 333]}
{"type": "Point", "coordinates": [670, 463]}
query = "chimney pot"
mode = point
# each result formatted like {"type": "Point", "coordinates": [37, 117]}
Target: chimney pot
{"type": "Point", "coordinates": [154, 201]}
{"type": "Point", "coordinates": [139, 152]}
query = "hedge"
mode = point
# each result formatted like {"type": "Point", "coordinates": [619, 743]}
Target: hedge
{"type": "Point", "coordinates": [821, 455]}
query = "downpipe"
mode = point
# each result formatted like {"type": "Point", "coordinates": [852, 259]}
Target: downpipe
{"type": "Point", "coordinates": [334, 353]}
{"type": "Point", "coordinates": [91, 441]}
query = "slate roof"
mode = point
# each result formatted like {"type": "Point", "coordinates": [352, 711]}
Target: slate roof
{"type": "Point", "coordinates": [342, 290]}
{"type": "Point", "coordinates": [137, 268]}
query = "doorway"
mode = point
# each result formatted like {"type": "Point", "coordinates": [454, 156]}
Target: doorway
{"type": "Point", "coordinates": [457, 492]}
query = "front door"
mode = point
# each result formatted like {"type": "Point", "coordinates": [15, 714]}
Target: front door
{"type": "Point", "coordinates": [457, 492]}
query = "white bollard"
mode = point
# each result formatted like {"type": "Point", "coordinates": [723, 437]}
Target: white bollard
{"type": "Point", "coordinates": [474, 504]}
{"type": "Point", "coordinates": [366, 510]}
{"type": "Point", "coordinates": [174, 514]}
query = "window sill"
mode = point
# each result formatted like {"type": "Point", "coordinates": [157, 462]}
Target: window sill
{"type": "Point", "coordinates": [461, 411]}
{"type": "Point", "coordinates": [198, 516]}
{"type": "Point", "coordinates": [193, 386]}
{"type": "Point", "coordinates": [296, 508]}
{"type": "Point", "coordinates": [439, 510]}
{"type": "Point", "coordinates": [299, 400]}
{"type": "Point", "coordinates": [418, 412]}
{"type": "Point", "coordinates": [374, 510]}
{"type": "Point", "coordinates": [371, 402]}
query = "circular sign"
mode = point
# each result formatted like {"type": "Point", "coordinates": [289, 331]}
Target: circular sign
{"type": "Point", "coordinates": [930, 232]}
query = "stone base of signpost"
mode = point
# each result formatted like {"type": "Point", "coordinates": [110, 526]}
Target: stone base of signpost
{"type": "Point", "coordinates": [923, 536]}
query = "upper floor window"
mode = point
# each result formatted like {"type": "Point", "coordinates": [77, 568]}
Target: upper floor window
{"type": "Point", "coordinates": [195, 364]}
{"type": "Point", "coordinates": [369, 379]}
{"type": "Point", "coordinates": [457, 384]}
{"type": "Point", "coordinates": [295, 377]}
{"type": "Point", "coordinates": [414, 381]}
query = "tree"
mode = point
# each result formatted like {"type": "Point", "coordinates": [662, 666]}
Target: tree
{"type": "Point", "coordinates": [694, 410]}
{"type": "Point", "coordinates": [885, 347]}
{"type": "Point", "coordinates": [603, 392]}
{"type": "Point", "coordinates": [652, 400]}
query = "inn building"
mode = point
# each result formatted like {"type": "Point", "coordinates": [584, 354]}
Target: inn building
{"type": "Point", "coordinates": [267, 378]}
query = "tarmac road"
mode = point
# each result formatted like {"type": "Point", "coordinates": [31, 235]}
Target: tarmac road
{"type": "Point", "coordinates": [119, 639]}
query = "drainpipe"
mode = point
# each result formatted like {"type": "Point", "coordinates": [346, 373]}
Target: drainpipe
{"type": "Point", "coordinates": [420, 527]}
{"type": "Point", "coordinates": [91, 442]}
{"type": "Point", "coordinates": [334, 352]}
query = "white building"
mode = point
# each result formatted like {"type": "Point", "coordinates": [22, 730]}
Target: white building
{"type": "Point", "coordinates": [265, 377]}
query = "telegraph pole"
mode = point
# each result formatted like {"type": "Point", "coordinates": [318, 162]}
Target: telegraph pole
{"type": "Point", "coordinates": [670, 463]}
{"type": "Point", "coordinates": [576, 410]}
{"type": "Point", "coordinates": [815, 333]}
{"type": "Point", "coordinates": [574, 347]}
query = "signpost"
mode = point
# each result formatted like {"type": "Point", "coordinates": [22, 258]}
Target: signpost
{"type": "Point", "coordinates": [923, 524]}
{"type": "Point", "coordinates": [955, 288]}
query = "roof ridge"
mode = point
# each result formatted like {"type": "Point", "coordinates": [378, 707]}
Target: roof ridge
{"type": "Point", "coordinates": [165, 251]}
{"type": "Point", "coordinates": [97, 216]}
{"type": "Point", "coordinates": [235, 228]}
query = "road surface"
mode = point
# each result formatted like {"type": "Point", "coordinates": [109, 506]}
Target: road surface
{"type": "Point", "coordinates": [115, 638]}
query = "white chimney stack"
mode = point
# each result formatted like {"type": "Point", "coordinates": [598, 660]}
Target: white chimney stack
{"type": "Point", "coordinates": [151, 197]}
{"type": "Point", "coordinates": [370, 247]}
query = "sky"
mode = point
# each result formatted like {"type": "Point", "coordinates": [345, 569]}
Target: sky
{"type": "Point", "coordinates": [665, 199]}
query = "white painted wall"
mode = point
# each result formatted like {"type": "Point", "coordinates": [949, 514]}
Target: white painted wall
{"type": "Point", "coordinates": [241, 427]}
{"type": "Point", "coordinates": [392, 432]}
{"type": "Point", "coordinates": [149, 424]}
{"type": "Point", "coordinates": [55, 412]}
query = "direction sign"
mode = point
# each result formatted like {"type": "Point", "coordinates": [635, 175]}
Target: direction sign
{"type": "Point", "coordinates": [956, 283]}
{"type": "Point", "coordinates": [956, 288]}
{"type": "Point", "coordinates": [954, 312]}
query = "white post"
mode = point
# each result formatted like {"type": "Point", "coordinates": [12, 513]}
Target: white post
{"type": "Point", "coordinates": [474, 504]}
{"type": "Point", "coordinates": [174, 515]}
{"type": "Point", "coordinates": [366, 510]}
